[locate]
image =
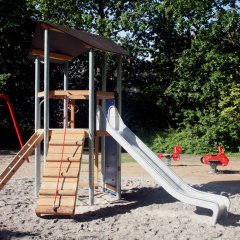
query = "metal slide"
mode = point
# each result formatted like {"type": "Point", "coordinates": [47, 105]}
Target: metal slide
{"type": "Point", "coordinates": [173, 184]}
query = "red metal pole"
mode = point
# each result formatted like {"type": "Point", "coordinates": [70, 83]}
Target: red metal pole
{"type": "Point", "coordinates": [4, 97]}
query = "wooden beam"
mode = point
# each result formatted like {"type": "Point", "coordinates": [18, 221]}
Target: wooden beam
{"type": "Point", "coordinates": [56, 56]}
{"type": "Point", "coordinates": [46, 26]}
{"type": "Point", "coordinates": [76, 94]}
{"type": "Point", "coordinates": [72, 116]}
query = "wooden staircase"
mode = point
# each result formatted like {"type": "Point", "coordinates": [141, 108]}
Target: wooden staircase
{"type": "Point", "coordinates": [68, 183]}
{"type": "Point", "coordinates": [21, 156]}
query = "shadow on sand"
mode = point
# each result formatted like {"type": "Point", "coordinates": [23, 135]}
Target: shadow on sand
{"type": "Point", "coordinates": [141, 197]}
{"type": "Point", "coordinates": [7, 234]}
{"type": "Point", "coordinates": [225, 188]}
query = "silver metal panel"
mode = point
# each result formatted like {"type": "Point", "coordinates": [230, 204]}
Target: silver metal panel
{"type": "Point", "coordinates": [111, 155]}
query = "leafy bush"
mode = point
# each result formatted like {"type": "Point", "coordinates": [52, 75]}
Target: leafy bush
{"type": "Point", "coordinates": [201, 138]}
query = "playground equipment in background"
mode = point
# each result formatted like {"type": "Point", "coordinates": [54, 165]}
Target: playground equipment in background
{"type": "Point", "coordinates": [214, 160]}
{"type": "Point", "coordinates": [7, 100]}
{"type": "Point", "coordinates": [174, 156]}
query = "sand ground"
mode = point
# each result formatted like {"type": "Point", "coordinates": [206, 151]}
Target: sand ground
{"type": "Point", "coordinates": [145, 211]}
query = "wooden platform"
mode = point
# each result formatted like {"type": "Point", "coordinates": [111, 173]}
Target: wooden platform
{"type": "Point", "coordinates": [71, 155]}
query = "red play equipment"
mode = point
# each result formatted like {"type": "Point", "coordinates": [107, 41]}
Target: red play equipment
{"type": "Point", "coordinates": [219, 159]}
{"type": "Point", "coordinates": [7, 100]}
{"type": "Point", "coordinates": [175, 155]}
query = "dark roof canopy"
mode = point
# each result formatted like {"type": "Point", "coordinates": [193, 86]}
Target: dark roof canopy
{"type": "Point", "coordinates": [66, 43]}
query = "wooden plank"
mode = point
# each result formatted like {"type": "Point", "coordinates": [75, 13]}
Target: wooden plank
{"type": "Point", "coordinates": [66, 205]}
{"type": "Point", "coordinates": [47, 26]}
{"type": "Point", "coordinates": [66, 158]}
{"type": "Point", "coordinates": [65, 165]}
{"type": "Point", "coordinates": [52, 55]}
{"type": "Point", "coordinates": [67, 142]}
{"type": "Point", "coordinates": [77, 94]}
{"type": "Point", "coordinates": [61, 192]}
{"type": "Point", "coordinates": [61, 211]}
{"type": "Point", "coordinates": [101, 133]}
{"type": "Point", "coordinates": [62, 185]}
{"type": "Point", "coordinates": [63, 175]}
{"type": "Point", "coordinates": [72, 115]}
{"type": "Point", "coordinates": [71, 150]}
{"type": "Point", "coordinates": [68, 131]}
{"type": "Point", "coordinates": [105, 95]}
{"type": "Point", "coordinates": [68, 136]}
{"type": "Point", "coordinates": [107, 186]}
{"type": "Point", "coordinates": [53, 172]}
{"type": "Point", "coordinates": [61, 180]}
{"type": "Point", "coordinates": [61, 94]}
{"type": "Point", "coordinates": [63, 200]}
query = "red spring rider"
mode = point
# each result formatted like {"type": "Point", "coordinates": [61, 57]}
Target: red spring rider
{"type": "Point", "coordinates": [219, 159]}
{"type": "Point", "coordinates": [175, 155]}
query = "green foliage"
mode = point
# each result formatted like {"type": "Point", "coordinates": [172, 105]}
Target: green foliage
{"type": "Point", "coordinates": [16, 72]}
{"type": "Point", "coordinates": [200, 138]}
{"type": "Point", "coordinates": [182, 73]}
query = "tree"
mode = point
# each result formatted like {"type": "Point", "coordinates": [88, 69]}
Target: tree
{"type": "Point", "coordinates": [16, 74]}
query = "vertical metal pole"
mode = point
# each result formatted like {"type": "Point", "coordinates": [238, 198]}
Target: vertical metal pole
{"type": "Point", "coordinates": [91, 122]}
{"type": "Point", "coordinates": [65, 87]}
{"type": "Point", "coordinates": [37, 126]}
{"type": "Point", "coordinates": [104, 89]}
{"type": "Point", "coordinates": [119, 91]}
{"type": "Point", "coordinates": [46, 92]}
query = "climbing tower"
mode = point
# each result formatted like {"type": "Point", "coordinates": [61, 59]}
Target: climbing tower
{"type": "Point", "coordinates": [63, 148]}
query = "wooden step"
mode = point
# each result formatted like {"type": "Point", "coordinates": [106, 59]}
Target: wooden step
{"type": "Point", "coordinates": [65, 165]}
{"type": "Point", "coordinates": [68, 131]}
{"type": "Point", "coordinates": [67, 142]}
{"type": "Point", "coordinates": [65, 150]}
{"type": "Point", "coordinates": [45, 205]}
{"type": "Point", "coordinates": [68, 135]}
{"type": "Point", "coordinates": [63, 184]}
{"type": "Point", "coordinates": [54, 174]}
{"type": "Point", "coordinates": [61, 181]}
{"type": "Point", "coordinates": [53, 157]}
{"type": "Point", "coordinates": [60, 192]}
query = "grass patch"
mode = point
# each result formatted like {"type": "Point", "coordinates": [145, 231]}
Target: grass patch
{"type": "Point", "coordinates": [126, 158]}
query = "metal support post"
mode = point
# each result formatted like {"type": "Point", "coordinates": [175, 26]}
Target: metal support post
{"type": "Point", "coordinates": [91, 123]}
{"type": "Point", "coordinates": [46, 92]}
{"type": "Point", "coordinates": [37, 126]}
{"type": "Point", "coordinates": [65, 87]}
{"type": "Point", "coordinates": [104, 89]}
{"type": "Point", "coordinates": [119, 91]}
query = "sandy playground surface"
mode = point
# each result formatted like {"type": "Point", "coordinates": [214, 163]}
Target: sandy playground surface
{"type": "Point", "coordinates": [145, 211]}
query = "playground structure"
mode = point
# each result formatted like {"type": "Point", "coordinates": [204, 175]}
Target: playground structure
{"type": "Point", "coordinates": [174, 156]}
{"type": "Point", "coordinates": [63, 147]}
{"type": "Point", "coordinates": [214, 160]}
